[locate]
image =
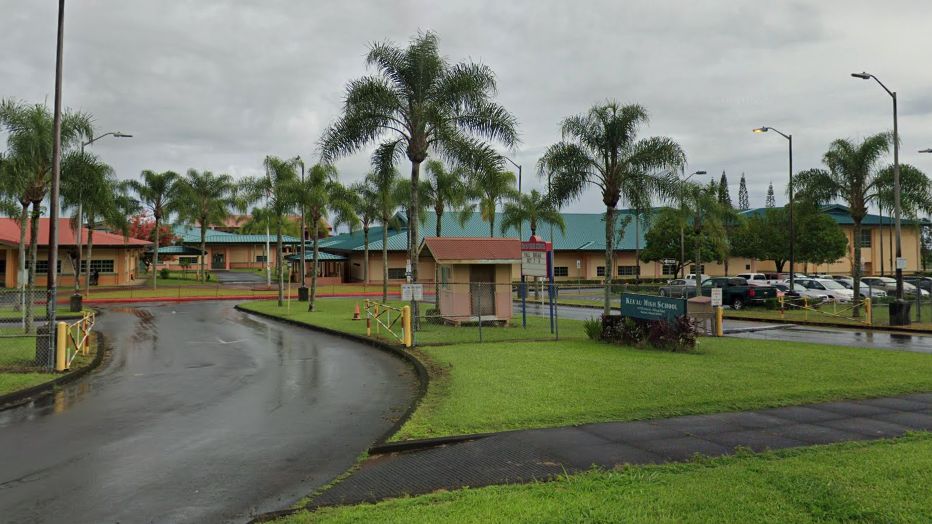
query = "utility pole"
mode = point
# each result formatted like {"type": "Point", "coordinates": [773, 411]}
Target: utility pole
{"type": "Point", "coordinates": [52, 280]}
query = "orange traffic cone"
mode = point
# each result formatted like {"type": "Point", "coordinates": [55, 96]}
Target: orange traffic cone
{"type": "Point", "coordinates": [356, 313]}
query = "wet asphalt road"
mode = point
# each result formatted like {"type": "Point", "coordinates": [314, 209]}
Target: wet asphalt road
{"type": "Point", "coordinates": [239, 277]}
{"type": "Point", "coordinates": [202, 414]}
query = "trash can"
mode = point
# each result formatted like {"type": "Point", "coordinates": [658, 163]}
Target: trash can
{"type": "Point", "coordinates": [75, 303]}
{"type": "Point", "coordinates": [899, 313]}
{"type": "Point", "coordinates": [302, 294]}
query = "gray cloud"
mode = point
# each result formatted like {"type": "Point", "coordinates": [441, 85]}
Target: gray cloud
{"type": "Point", "coordinates": [219, 84]}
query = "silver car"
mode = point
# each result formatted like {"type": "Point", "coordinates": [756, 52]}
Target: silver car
{"type": "Point", "coordinates": [679, 288]}
{"type": "Point", "coordinates": [889, 285]}
{"type": "Point", "coordinates": [866, 291]}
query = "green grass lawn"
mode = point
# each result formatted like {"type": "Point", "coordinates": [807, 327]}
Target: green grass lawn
{"type": "Point", "coordinates": [16, 349]}
{"type": "Point", "coordinates": [478, 388]}
{"type": "Point", "coordinates": [882, 481]}
{"type": "Point", "coordinates": [17, 354]}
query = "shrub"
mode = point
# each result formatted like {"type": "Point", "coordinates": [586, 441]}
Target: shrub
{"type": "Point", "coordinates": [164, 273]}
{"type": "Point", "coordinates": [678, 335]}
{"type": "Point", "coordinates": [593, 328]}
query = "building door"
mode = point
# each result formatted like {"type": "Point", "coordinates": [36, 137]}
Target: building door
{"type": "Point", "coordinates": [482, 289]}
{"type": "Point", "coordinates": [218, 261]}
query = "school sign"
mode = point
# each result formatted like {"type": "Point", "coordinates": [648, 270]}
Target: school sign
{"type": "Point", "coordinates": [649, 307]}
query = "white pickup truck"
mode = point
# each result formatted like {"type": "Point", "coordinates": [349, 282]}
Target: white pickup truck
{"type": "Point", "coordinates": [758, 279]}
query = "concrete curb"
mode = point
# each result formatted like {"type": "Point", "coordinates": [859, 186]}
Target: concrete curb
{"type": "Point", "coordinates": [24, 396]}
{"type": "Point", "coordinates": [227, 297]}
{"type": "Point", "coordinates": [420, 370]}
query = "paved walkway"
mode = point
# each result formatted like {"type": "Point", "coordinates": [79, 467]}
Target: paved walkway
{"type": "Point", "coordinates": [522, 456]}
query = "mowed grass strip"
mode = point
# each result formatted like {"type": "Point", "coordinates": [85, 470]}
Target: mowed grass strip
{"type": "Point", "coordinates": [881, 481]}
{"type": "Point", "coordinates": [477, 388]}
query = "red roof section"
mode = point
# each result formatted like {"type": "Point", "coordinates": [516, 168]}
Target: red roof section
{"type": "Point", "coordinates": [467, 248]}
{"type": "Point", "coordinates": [9, 234]}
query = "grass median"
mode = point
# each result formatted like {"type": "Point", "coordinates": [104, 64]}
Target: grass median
{"type": "Point", "coordinates": [536, 383]}
{"type": "Point", "coordinates": [882, 481]}
{"type": "Point", "coordinates": [17, 366]}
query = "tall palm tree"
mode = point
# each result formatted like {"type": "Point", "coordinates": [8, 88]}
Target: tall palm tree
{"type": "Point", "coordinates": [383, 181]}
{"type": "Point", "coordinates": [30, 129]}
{"type": "Point", "coordinates": [419, 104]}
{"type": "Point", "coordinates": [276, 187]}
{"type": "Point", "coordinates": [402, 193]}
{"type": "Point", "coordinates": [88, 183]}
{"type": "Point", "coordinates": [445, 190]}
{"type": "Point", "coordinates": [158, 193]}
{"type": "Point", "coordinates": [205, 199]}
{"type": "Point", "coordinates": [600, 148]}
{"type": "Point", "coordinates": [533, 208]}
{"type": "Point", "coordinates": [367, 209]}
{"type": "Point", "coordinates": [490, 188]}
{"type": "Point", "coordinates": [855, 177]}
{"type": "Point", "coordinates": [318, 195]}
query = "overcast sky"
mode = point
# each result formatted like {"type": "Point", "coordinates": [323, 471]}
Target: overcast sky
{"type": "Point", "coordinates": [218, 85]}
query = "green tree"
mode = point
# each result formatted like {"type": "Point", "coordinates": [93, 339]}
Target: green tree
{"type": "Point", "coordinates": [417, 104]}
{"type": "Point", "coordinates": [490, 188]}
{"type": "Point", "coordinates": [276, 188]}
{"type": "Point", "coordinates": [366, 203]}
{"type": "Point", "coordinates": [662, 241]}
{"type": "Point", "coordinates": [744, 202]}
{"type": "Point", "coordinates": [383, 181]}
{"type": "Point", "coordinates": [158, 193]}
{"type": "Point", "coordinates": [533, 208]}
{"type": "Point", "coordinates": [819, 239]}
{"type": "Point", "coordinates": [600, 148]}
{"type": "Point", "coordinates": [445, 190]}
{"type": "Point", "coordinates": [205, 199]}
{"type": "Point", "coordinates": [855, 177]}
{"type": "Point", "coordinates": [319, 195]}
{"type": "Point", "coordinates": [724, 197]}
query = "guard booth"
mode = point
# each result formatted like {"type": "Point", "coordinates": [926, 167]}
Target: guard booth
{"type": "Point", "coordinates": [474, 277]}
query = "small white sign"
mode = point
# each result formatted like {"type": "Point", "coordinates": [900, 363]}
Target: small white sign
{"type": "Point", "coordinates": [716, 297]}
{"type": "Point", "coordinates": [901, 263]}
{"type": "Point", "coordinates": [534, 263]}
{"type": "Point", "coordinates": [579, 264]}
{"type": "Point", "coordinates": [411, 292]}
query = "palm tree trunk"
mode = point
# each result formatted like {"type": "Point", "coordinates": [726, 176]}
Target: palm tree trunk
{"type": "Point", "coordinates": [21, 260]}
{"type": "Point", "coordinates": [492, 226]}
{"type": "Point", "coordinates": [856, 270]}
{"type": "Point", "coordinates": [310, 306]}
{"type": "Point", "coordinates": [87, 268]}
{"type": "Point", "coordinates": [203, 275]}
{"type": "Point", "coordinates": [385, 259]}
{"type": "Point", "coordinates": [880, 210]}
{"type": "Point", "coordinates": [365, 250]}
{"type": "Point", "coordinates": [637, 249]}
{"type": "Point", "coordinates": [33, 250]}
{"type": "Point", "coordinates": [155, 255]}
{"type": "Point", "coordinates": [278, 263]}
{"type": "Point", "coordinates": [436, 265]}
{"type": "Point", "coordinates": [413, 228]}
{"type": "Point", "coordinates": [609, 237]}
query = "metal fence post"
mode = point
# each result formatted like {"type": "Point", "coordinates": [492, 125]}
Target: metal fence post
{"type": "Point", "coordinates": [479, 288]}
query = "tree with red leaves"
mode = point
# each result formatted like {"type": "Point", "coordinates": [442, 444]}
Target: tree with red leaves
{"type": "Point", "coordinates": [142, 226]}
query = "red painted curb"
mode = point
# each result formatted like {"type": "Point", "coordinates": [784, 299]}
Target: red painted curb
{"type": "Point", "coordinates": [228, 297]}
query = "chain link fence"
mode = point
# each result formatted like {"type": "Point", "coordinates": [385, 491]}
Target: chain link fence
{"type": "Point", "coordinates": [26, 344]}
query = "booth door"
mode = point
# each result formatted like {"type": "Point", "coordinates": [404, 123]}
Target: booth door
{"type": "Point", "coordinates": [482, 289]}
{"type": "Point", "coordinates": [218, 261]}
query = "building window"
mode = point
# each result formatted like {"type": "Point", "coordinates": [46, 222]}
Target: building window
{"type": "Point", "coordinates": [2, 265]}
{"type": "Point", "coordinates": [561, 271]}
{"type": "Point", "coordinates": [600, 271]}
{"type": "Point", "coordinates": [628, 271]}
{"type": "Point", "coordinates": [187, 261]}
{"type": "Point", "coordinates": [692, 268]}
{"type": "Point", "coordinates": [100, 266]}
{"type": "Point", "coordinates": [866, 237]}
{"type": "Point", "coordinates": [747, 267]}
{"type": "Point", "coordinates": [668, 269]}
{"type": "Point", "coordinates": [261, 258]}
{"type": "Point", "coordinates": [42, 266]}
{"type": "Point", "coordinates": [445, 276]}
{"type": "Point", "coordinates": [396, 273]}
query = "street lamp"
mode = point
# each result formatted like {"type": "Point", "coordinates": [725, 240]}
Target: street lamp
{"type": "Point", "coordinates": [77, 228]}
{"type": "Point", "coordinates": [926, 150]}
{"type": "Point", "coordinates": [521, 225]}
{"type": "Point", "coordinates": [764, 129]}
{"type": "Point", "coordinates": [896, 199]}
{"type": "Point", "coordinates": [682, 234]}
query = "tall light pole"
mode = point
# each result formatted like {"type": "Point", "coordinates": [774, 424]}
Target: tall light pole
{"type": "Point", "coordinates": [521, 225]}
{"type": "Point", "coordinates": [78, 241]}
{"type": "Point", "coordinates": [896, 187]}
{"type": "Point", "coordinates": [789, 138]}
{"type": "Point", "coordinates": [682, 232]}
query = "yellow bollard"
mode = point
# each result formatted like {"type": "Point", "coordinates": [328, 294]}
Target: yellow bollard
{"type": "Point", "coordinates": [86, 336]}
{"type": "Point", "coordinates": [719, 321]}
{"type": "Point", "coordinates": [368, 320]}
{"type": "Point", "coordinates": [406, 325]}
{"type": "Point", "coordinates": [868, 311]}
{"type": "Point", "coordinates": [378, 330]}
{"type": "Point", "coordinates": [806, 307]}
{"type": "Point", "coordinates": [61, 346]}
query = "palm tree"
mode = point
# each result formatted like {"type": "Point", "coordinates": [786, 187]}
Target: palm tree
{"type": "Point", "coordinates": [444, 190]}
{"type": "Point", "coordinates": [366, 203]}
{"type": "Point", "coordinates": [418, 104]}
{"type": "Point", "coordinates": [277, 188]}
{"type": "Point", "coordinates": [204, 199]}
{"type": "Point", "coordinates": [30, 141]}
{"type": "Point", "coordinates": [600, 148]}
{"type": "Point", "coordinates": [88, 183]}
{"type": "Point", "coordinates": [158, 193]}
{"type": "Point", "coordinates": [320, 194]}
{"type": "Point", "coordinates": [854, 177]}
{"type": "Point", "coordinates": [533, 208]}
{"type": "Point", "coordinates": [382, 182]}
{"type": "Point", "coordinates": [491, 188]}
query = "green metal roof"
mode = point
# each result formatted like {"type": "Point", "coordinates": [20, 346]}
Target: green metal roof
{"type": "Point", "coordinates": [177, 250]}
{"type": "Point", "coordinates": [192, 235]}
{"type": "Point", "coordinates": [322, 255]}
{"type": "Point", "coordinates": [842, 216]}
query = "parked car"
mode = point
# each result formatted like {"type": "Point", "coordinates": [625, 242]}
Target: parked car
{"type": "Point", "coordinates": [866, 290]}
{"type": "Point", "coordinates": [756, 279]}
{"type": "Point", "coordinates": [889, 285]}
{"type": "Point", "coordinates": [923, 283]}
{"type": "Point", "coordinates": [833, 289]}
{"type": "Point", "coordinates": [798, 291]}
{"type": "Point", "coordinates": [679, 287]}
{"type": "Point", "coordinates": [692, 276]}
{"type": "Point", "coordinates": [736, 292]}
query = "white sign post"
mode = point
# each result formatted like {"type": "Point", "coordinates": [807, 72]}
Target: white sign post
{"type": "Point", "coordinates": [534, 259]}
{"type": "Point", "coordinates": [411, 292]}
{"type": "Point", "coordinates": [716, 297]}
{"type": "Point", "coordinates": [901, 263]}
